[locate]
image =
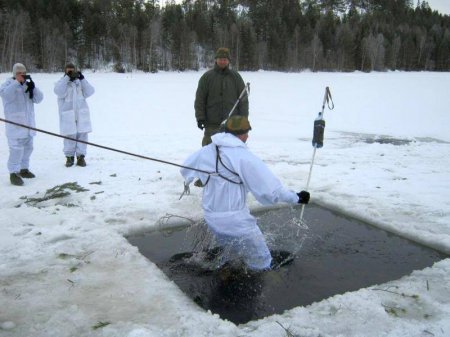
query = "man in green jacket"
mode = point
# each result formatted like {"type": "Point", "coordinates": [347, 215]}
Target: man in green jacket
{"type": "Point", "coordinates": [217, 92]}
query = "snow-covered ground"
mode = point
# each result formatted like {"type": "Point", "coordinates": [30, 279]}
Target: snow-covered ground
{"type": "Point", "coordinates": [65, 266]}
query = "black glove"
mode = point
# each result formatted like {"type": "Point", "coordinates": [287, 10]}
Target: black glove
{"type": "Point", "coordinates": [201, 124]}
{"type": "Point", "coordinates": [30, 85]}
{"type": "Point", "coordinates": [80, 76]}
{"type": "Point", "coordinates": [303, 197]}
{"type": "Point", "coordinates": [30, 88]}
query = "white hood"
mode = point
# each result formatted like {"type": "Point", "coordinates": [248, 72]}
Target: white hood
{"type": "Point", "coordinates": [227, 139]}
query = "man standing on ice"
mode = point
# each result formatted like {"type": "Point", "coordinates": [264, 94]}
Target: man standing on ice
{"type": "Point", "coordinates": [19, 94]}
{"type": "Point", "coordinates": [74, 117]}
{"type": "Point", "coordinates": [224, 194]}
{"type": "Point", "coordinates": [217, 92]}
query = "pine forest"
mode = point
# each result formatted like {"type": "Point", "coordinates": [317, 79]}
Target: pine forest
{"type": "Point", "coordinates": [281, 35]}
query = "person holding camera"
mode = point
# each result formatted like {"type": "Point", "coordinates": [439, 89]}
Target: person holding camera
{"type": "Point", "coordinates": [74, 116]}
{"type": "Point", "coordinates": [19, 94]}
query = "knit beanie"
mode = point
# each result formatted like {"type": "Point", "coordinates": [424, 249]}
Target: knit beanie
{"type": "Point", "coordinates": [18, 68]}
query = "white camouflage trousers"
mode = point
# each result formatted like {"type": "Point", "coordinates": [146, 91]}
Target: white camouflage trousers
{"type": "Point", "coordinates": [20, 150]}
{"type": "Point", "coordinates": [72, 148]}
{"type": "Point", "coordinates": [238, 233]}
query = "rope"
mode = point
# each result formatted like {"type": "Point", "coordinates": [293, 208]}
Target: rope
{"type": "Point", "coordinates": [106, 147]}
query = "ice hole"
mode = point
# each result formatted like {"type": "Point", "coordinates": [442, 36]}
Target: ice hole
{"type": "Point", "coordinates": [333, 254]}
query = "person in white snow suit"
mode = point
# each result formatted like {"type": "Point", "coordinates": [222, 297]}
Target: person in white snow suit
{"type": "Point", "coordinates": [19, 94]}
{"type": "Point", "coordinates": [224, 196]}
{"type": "Point", "coordinates": [74, 116]}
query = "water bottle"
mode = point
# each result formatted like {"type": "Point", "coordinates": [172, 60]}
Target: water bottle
{"type": "Point", "coordinates": [319, 128]}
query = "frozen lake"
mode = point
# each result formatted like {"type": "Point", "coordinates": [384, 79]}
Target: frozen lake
{"type": "Point", "coordinates": [65, 269]}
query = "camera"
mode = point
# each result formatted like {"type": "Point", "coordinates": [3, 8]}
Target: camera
{"type": "Point", "coordinates": [72, 75]}
{"type": "Point", "coordinates": [27, 77]}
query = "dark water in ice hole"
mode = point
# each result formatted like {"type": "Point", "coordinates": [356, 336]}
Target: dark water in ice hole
{"type": "Point", "coordinates": [333, 254]}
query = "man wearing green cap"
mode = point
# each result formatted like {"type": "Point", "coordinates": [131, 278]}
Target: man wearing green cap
{"type": "Point", "coordinates": [237, 171]}
{"type": "Point", "coordinates": [217, 92]}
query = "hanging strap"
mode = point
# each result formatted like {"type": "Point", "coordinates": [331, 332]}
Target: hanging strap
{"type": "Point", "coordinates": [219, 160]}
{"type": "Point", "coordinates": [229, 170]}
{"type": "Point", "coordinates": [327, 99]}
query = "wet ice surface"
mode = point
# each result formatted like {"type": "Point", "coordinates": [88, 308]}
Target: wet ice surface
{"type": "Point", "coordinates": [333, 254]}
{"type": "Point", "coordinates": [386, 139]}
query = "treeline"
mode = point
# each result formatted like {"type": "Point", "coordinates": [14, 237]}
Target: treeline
{"type": "Point", "coordinates": [285, 35]}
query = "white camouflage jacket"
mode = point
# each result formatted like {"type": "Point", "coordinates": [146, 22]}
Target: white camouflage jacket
{"type": "Point", "coordinates": [74, 114]}
{"type": "Point", "coordinates": [221, 195]}
{"type": "Point", "coordinates": [19, 108]}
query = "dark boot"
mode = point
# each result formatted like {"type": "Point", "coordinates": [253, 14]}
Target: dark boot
{"type": "Point", "coordinates": [70, 161]}
{"type": "Point", "coordinates": [25, 173]}
{"type": "Point", "coordinates": [80, 161]}
{"type": "Point", "coordinates": [15, 179]}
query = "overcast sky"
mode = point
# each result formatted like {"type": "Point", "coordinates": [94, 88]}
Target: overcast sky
{"type": "Point", "coordinates": [442, 6]}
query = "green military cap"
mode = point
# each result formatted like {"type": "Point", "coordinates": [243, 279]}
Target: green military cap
{"type": "Point", "coordinates": [70, 65]}
{"type": "Point", "coordinates": [237, 125]}
{"type": "Point", "coordinates": [223, 53]}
